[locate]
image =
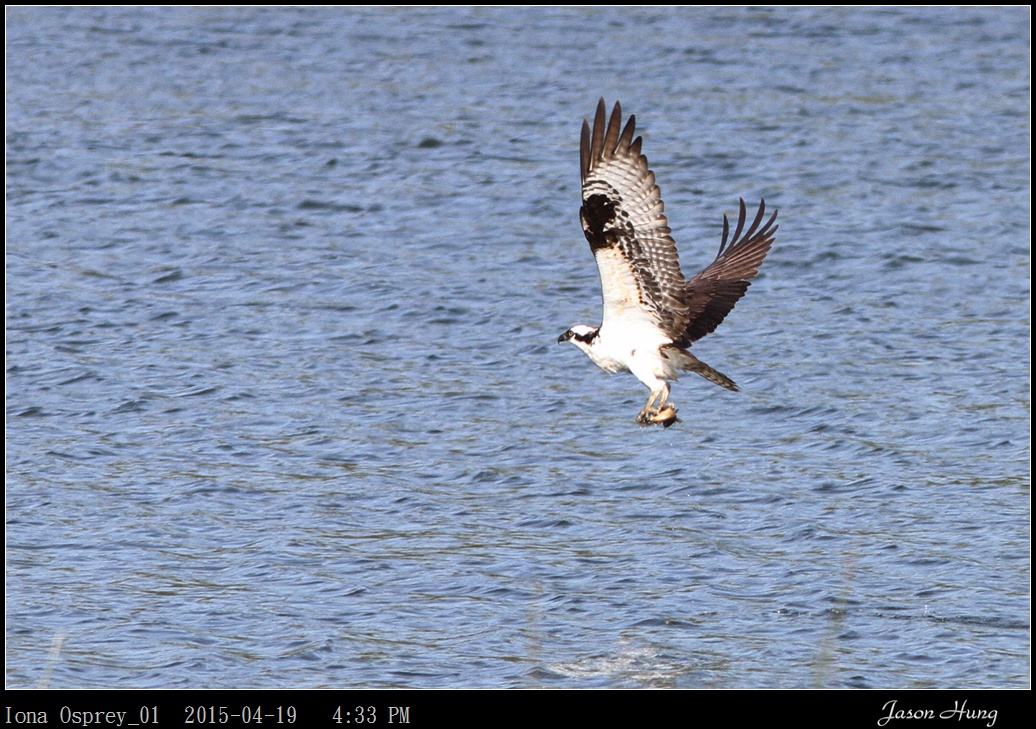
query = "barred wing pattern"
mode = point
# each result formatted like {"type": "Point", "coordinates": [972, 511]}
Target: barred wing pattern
{"type": "Point", "coordinates": [624, 222]}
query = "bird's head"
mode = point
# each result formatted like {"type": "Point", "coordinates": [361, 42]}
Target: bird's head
{"type": "Point", "coordinates": [580, 335]}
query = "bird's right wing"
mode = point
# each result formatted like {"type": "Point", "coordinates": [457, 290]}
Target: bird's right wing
{"type": "Point", "coordinates": [712, 294]}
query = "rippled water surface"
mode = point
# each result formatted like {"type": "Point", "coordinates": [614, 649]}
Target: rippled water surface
{"type": "Point", "coordinates": [285, 406]}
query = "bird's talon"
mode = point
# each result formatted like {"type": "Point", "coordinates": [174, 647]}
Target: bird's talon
{"type": "Point", "coordinates": [646, 417]}
{"type": "Point", "coordinates": [666, 416]}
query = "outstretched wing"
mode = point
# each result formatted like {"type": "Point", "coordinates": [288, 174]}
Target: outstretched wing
{"type": "Point", "coordinates": [624, 222]}
{"type": "Point", "coordinates": [712, 294]}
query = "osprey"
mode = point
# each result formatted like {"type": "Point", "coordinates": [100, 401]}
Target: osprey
{"type": "Point", "coordinates": [652, 314]}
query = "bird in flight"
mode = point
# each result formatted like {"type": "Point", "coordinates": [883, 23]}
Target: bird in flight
{"type": "Point", "coordinates": [652, 314]}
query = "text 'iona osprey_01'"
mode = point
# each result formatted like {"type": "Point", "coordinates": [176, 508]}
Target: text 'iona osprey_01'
{"type": "Point", "coordinates": [652, 314]}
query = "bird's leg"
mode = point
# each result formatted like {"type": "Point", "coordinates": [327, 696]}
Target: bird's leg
{"type": "Point", "coordinates": [645, 414]}
{"type": "Point", "coordinates": [663, 397]}
{"type": "Point", "coordinates": [652, 408]}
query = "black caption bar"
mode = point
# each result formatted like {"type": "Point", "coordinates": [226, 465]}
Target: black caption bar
{"type": "Point", "coordinates": [407, 708]}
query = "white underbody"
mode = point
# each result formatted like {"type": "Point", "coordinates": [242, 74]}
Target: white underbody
{"type": "Point", "coordinates": [628, 345]}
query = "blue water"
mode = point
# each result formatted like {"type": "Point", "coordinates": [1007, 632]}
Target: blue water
{"type": "Point", "coordinates": [285, 406]}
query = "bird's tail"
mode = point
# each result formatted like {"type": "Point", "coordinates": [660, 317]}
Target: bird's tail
{"type": "Point", "coordinates": [715, 376]}
{"type": "Point", "coordinates": [684, 360]}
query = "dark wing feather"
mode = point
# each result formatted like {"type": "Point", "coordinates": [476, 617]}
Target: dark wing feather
{"type": "Point", "coordinates": [624, 222]}
{"type": "Point", "coordinates": [712, 294]}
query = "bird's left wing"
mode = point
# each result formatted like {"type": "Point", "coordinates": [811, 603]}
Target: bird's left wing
{"type": "Point", "coordinates": [624, 222]}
